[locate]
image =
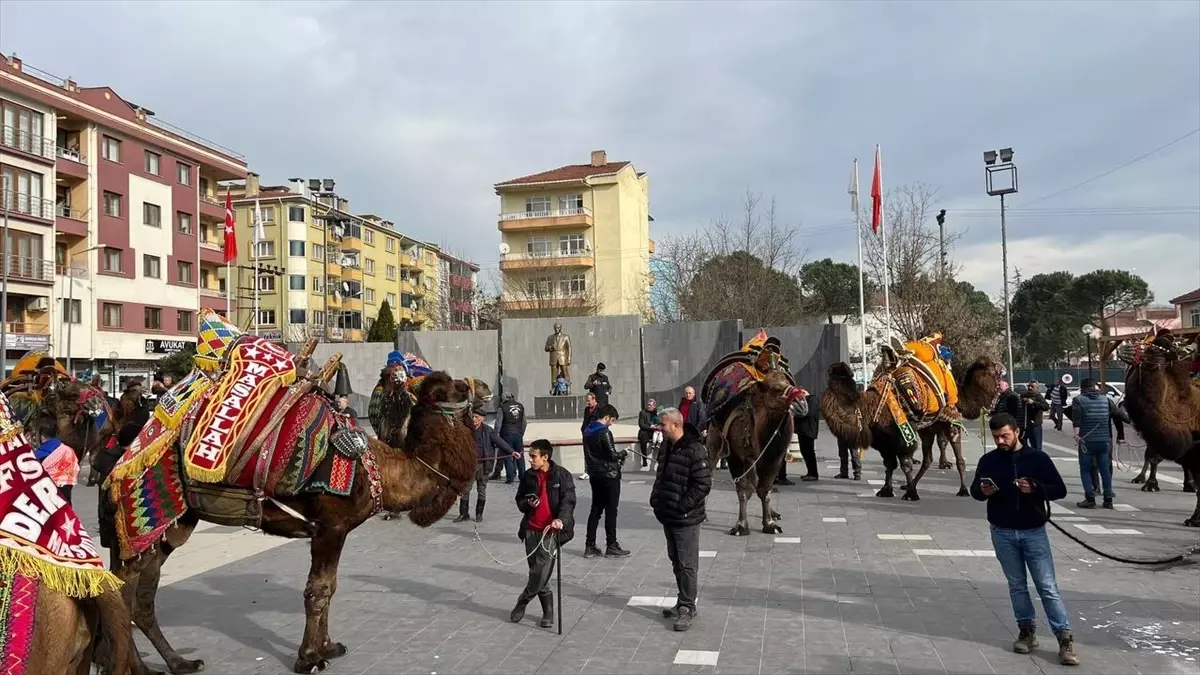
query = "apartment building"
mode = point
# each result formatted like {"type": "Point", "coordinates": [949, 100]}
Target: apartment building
{"type": "Point", "coordinates": [576, 240]}
{"type": "Point", "coordinates": [105, 206]}
{"type": "Point", "coordinates": [456, 293]}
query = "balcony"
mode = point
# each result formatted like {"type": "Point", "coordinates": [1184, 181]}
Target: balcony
{"type": "Point", "coordinates": [22, 204]}
{"type": "Point", "coordinates": [521, 302]}
{"type": "Point", "coordinates": [22, 269]}
{"type": "Point", "coordinates": [22, 141]}
{"type": "Point", "coordinates": [547, 259]}
{"type": "Point", "coordinates": [27, 335]}
{"type": "Point", "coordinates": [70, 221]}
{"type": "Point", "coordinates": [71, 162]}
{"type": "Point", "coordinates": [553, 218]}
{"type": "Point", "coordinates": [212, 206]}
{"type": "Point", "coordinates": [211, 251]}
{"type": "Point", "coordinates": [351, 244]}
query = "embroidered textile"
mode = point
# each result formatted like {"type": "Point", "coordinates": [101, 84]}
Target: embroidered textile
{"type": "Point", "coordinates": [148, 502]}
{"type": "Point", "coordinates": [18, 607]}
{"type": "Point", "coordinates": [291, 452]}
{"type": "Point", "coordinates": [215, 336]}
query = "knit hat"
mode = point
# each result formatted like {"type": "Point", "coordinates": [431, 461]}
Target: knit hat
{"type": "Point", "coordinates": [395, 358]}
{"type": "Point", "coordinates": [478, 410]}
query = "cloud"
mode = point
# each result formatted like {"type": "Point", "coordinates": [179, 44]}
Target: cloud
{"type": "Point", "coordinates": [416, 109]}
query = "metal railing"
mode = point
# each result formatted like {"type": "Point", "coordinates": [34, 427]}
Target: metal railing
{"type": "Point", "coordinates": [215, 201]}
{"type": "Point", "coordinates": [28, 328]}
{"type": "Point", "coordinates": [74, 154]}
{"type": "Point", "coordinates": [548, 213]}
{"type": "Point", "coordinates": [23, 268]}
{"type": "Point", "coordinates": [24, 141]}
{"type": "Point", "coordinates": [65, 211]}
{"type": "Point", "coordinates": [19, 202]}
{"type": "Point", "coordinates": [212, 245]}
{"type": "Point", "coordinates": [552, 254]}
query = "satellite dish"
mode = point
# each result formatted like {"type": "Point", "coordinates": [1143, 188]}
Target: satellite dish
{"type": "Point", "coordinates": [504, 248]}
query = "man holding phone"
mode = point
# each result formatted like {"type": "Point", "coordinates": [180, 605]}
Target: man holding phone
{"type": "Point", "coordinates": [1017, 483]}
{"type": "Point", "coordinates": [546, 495]}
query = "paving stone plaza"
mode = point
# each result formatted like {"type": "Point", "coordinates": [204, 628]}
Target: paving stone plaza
{"type": "Point", "coordinates": [856, 584]}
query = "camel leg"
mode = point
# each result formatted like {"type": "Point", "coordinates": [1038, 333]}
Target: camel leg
{"type": "Point", "coordinates": [889, 467]}
{"type": "Point", "coordinates": [961, 464]}
{"type": "Point", "coordinates": [942, 442]}
{"type": "Point", "coordinates": [143, 592]}
{"type": "Point", "coordinates": [316, 648]}
{"type": "Point", "coordinates": [742, 528]}
{"type": "Point", "coordinates": [1189, 480]}
{"type": "Point", "coordinates": [910, 490]}
{"type": "Point", "coordinates": [1191, 463]}
{"type": "Point", "coordinates": [1152, 482]}
{"type": "Point", "coordinates": [1141, 477]}
{"type": "Point", "coordinates": [766, 493]}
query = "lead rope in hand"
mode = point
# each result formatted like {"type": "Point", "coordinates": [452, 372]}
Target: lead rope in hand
{"type": "Point", "coordinates": [541, 544]}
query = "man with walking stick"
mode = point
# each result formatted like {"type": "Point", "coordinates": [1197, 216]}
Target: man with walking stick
{"type": "Point", "coordinates": [546, 497]}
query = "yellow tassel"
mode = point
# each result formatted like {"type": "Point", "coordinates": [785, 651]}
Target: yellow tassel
{"type": "Point", "coordinates": [74, 582]}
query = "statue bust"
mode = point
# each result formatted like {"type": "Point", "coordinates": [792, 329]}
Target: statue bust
{"type": "Point", "coordinates": [558, 346]}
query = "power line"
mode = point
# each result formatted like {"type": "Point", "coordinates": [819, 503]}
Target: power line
{"type": "Point", "coordinates": [1115, 169]}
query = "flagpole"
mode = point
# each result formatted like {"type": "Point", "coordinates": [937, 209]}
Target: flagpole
{"type": "Point", "coordinates": [887, 275]}
{"type": "Point", "coordinates": [228, 288]}
{"type": "Point", "coordinates": [862, 293]}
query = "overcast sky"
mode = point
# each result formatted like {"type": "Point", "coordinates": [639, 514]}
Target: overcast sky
{"type": "Point", "coordinates": [417, 109]}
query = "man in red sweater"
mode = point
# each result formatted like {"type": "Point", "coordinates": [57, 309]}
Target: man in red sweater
{"type": "Point", "coordinates": [546, 495]}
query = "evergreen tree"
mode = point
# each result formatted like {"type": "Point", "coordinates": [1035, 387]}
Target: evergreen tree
{"type": "Point", "coordinates": [384, 328]}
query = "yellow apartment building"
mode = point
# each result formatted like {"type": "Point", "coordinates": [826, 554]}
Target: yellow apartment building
{"type": "Point", "coordinates": [576, 240]}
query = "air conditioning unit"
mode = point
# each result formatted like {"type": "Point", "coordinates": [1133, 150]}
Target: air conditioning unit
{"type": "Point", "coordinates": [40, 304]}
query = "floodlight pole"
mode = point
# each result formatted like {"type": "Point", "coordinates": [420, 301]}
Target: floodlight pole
{"type": "Point", "coordinates": [1007, 311]}
{"type": "Point", "coordinates": [1007, 166]}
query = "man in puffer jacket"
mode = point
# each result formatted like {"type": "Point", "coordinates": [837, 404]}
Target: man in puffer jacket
{"type": "Point", "coordinates": [1091, 414]}
{"type": "Point", "coordinates": [603, 464]}
{"type": "Point", "coordinates": [681, 487]}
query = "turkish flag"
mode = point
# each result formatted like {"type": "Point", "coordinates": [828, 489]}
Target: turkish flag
{"type": "Point", "coordinates": [877, 193]}
{"type": "Point", "coordinates": [230, 232]}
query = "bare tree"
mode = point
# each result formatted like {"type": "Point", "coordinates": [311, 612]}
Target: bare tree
{"type": "Point", "coordinates": [548, 292]}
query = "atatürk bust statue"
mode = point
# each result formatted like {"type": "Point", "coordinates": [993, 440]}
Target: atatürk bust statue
{"type": "Point", "coordinates": [558, 345]}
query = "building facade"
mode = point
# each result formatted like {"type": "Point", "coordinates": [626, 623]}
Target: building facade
{"type": "Point", "coordinates": [576, 240]}
{"type": "Point", "coordinates": [1187, 308]}
{"type": "Point", "coordinates": [107, 209]}
{"type": "Point", "coordinates": [456, 293]}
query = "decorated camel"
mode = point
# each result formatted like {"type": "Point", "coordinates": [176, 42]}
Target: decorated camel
{"type": "Point", "coordinates": [751, 400]}
{"type": "Point", "coordinates": [406, 370]}
{"type": "Point", "coordinates": [55, 595]}
{"type": "Point", "coordinates": [1163, 402]}
{"type": "Point", "coordinates": [39, 386]}
{"type": "Point", "coordinates": [913, 399]}
{"type": "Point", "coordinates": [251, 438]}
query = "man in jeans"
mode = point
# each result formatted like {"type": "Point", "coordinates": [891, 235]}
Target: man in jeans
{"type": "Point", "coordinates": [681, 486]}
{"type": "Point", "coordinates": [1017, 483]}
{"type": "Point", "coordinates": [1035, 404]}
{"type": "Point", "coordinates": [604, 472]}
{"type": "Point", "coordinates": [512, 430]}
{"type": "Point", "coordinates": [1092, 413]}
{"type": "Point", "coordinates": [546, 497]}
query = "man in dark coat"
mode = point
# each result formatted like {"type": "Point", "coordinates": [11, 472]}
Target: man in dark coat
{"type": "Point", "coordinates": [604, 472]}
{"type": "Point", "coordinates": [512, 430]}
{"type": "Point", "coordinates": [546, 497]}
{"type": "Point", "coordinates": [807, 428]}
{"type": "Point", "coordinates": [647, 427]}
{"type": "Point", "coordinates": [1034, 404]}
{"type": "Point", "coordinates": [489, 448]}
{"type": "Point", "coordinates": [591, 413]}
{"type": "Point", "coordinates": [681, 487]}
{"type": "Point", "coordinates": [598, 384]}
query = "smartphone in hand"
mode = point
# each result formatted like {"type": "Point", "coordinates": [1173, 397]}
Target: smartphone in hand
{"type": "Point", "coordinates": [989, 482]}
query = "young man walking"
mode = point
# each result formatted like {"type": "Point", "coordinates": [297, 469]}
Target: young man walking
{"type": "Point", "coordinates": [546, 497]}
{"type": "Point", "coordinates": [681, 487]}
{"type": "Point", "coordinates": [1017, 482]}
{"type": "Point", "coordinates": [1035, 404]}
{"type": "Point", "coordinates": [604, 472]}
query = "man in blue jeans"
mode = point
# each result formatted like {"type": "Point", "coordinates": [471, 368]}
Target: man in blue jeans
{"type": "Point", "coordinates": [1018, 483]}
{"type": "Point", "coordinates": [1092, 413]}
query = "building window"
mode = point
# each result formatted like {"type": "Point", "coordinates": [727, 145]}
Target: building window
{"type": "Point", "coordinates": [369, 237]}
{"type": "Point", "coordinates": [391, 271]}
{"type": "Point", "coordinates": [390, 245]}
{"type": "Point", "coordinates": [75, 315]}
{"type": "Point", "coordinates": [537, 206]}
{"type": "Point", "coordinates": [369, 295]}
{"type": "Point", "coordinates": [296, 214]}
{"type": "Point", "coordinates": [570, 204]}
{"type": "Point", "coordinates": [1195, 316]}
{"type": "Point", "coordinates": [539, 287]}
{"type": "Point", "coordinates": [369, 266]}
{"type": "Point", "coordinates": [266, 317]}
{"type": "Point", "coordinates": [296, 316]}
{"type": "Point", "coordinates": [183, 173]}
{"type": "Point", "coordinates": [110, 149]}
{"type": "Point", "coordinates": [151, 266]}
{"type": "Point", "coordinates": [296, 283]}
{"type": "Point", "coordinates": [265, 249]}
{"type": "Point", "coordinates": [316, 284]}
{"type": "Point", "coordinates": [153, 160]}
{"type": "Point", "coordinates": [576, 284]}
{"type": "Point", "coordinates": [296, 248]}
{"type": "Point", "coordinates": [538, 246]}
{"type": "Point", "coordinates": [185, 272]}
{"type": "Point", "coordinates": [112, 204]}
{"type": "Point", "coordinates": [23, 191]}
{"type": "Point", "coordinates": [571, 244]}
{"type": "Point", "coordinates": [390, 299]}
{"type": "Point", "coordinates": [183, 222]}
{"type": "Point", "coordinates": [152, 318]}
{"type": "Point", "coordinates": [112, 259]}
{"type": "Point", "coordinates": [268, 215]}
{"type": "Point", "coordinates": [110, 315]}
{"type": "Point", "coordinates": [266, 283]}
{"type": "Point", "coordinates": [318, 253]}
{"type": "Point", "coordinates": [183, 321]}
{"type": "Point", "coordinates": [151, 214]}
{"type": "Point", "coordinates": [23, 128]}
{"type": "Point", "coordinates": [318, 317]}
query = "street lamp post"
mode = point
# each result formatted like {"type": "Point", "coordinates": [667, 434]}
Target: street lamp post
{"type": "Point", "coordinates": [318, 188]}
{"type": "Point", "coordinates": [4, 285]}
{"type": "Point", "coordinates": [1088, 331]}
{"type": "Point", "coordinates": [70, 310]}
{"type": "Point", "coordinates": [1002, 180]}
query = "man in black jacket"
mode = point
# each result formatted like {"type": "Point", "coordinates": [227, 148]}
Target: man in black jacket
{"type": "Point", "coordinates": [807, 428]}
{"type": "Point", "coordinates": [591, 413]}
{"type": "Point", "coordinates": [598, 384]}
{"type": "Point", "coordinates": [681, 487]}
{"type": "Point", "coordinates": [489, 448]}
{"type": "Point", "coordinates": [512, 430]}
{"type": "Point", "coordinates": [604, 472]}
{"type": "Point", "coordinates": [647, 427]}
{"type": "Point", "coordinates": [1034, 404]}
{"type": "Point", "coordinates": [546, 497]}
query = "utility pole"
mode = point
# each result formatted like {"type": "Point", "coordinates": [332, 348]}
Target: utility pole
{"type": "Point", "coordinates": [941, 221]}
{"type": "Point", "coordinates": [4, 287]}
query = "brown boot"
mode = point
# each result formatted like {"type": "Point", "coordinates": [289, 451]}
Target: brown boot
{"type": "Point", "coordinates": [1026, 639]}
{"type": "Point", "coordinates": [1066, 649]}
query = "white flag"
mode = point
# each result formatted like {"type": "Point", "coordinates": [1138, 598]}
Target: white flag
{"type": "Point", "coordinates": [259, 233]}
{"type": "Point", "coordinates": [853, 191]}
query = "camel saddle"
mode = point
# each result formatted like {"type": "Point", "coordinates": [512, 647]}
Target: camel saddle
{"type": "Point", "coordinates": [917, 386]}
{"type": "Point", "coordinates": [738, 371]}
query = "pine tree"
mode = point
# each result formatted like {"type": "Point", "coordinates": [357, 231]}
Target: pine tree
{"type": "Point", "coordinates": [384, 328]}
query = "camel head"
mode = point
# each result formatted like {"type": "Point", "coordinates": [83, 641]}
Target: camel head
{"type": "Point", "coordinates": [776, 392]}
{"type": "Point", "coordinates": [840, 406]}
{"type": "Point", "coordinates": [1157, 349]}
{"type": "Point", "coordinates": [477, 390]}
{"type": "Point", "coordinates": [81, 411]}
{"type": "Point", "coordinates": [980, 387]}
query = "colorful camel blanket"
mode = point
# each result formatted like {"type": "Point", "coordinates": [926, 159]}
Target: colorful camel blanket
{"type": "Point", "coordinates": [18, 607]}
{"type": "Point", "coordinates": [216, 335]}
{"type": "Point", "coordinates": [40, 535]}
{"type": "Point", "coordinates": [257, 369]}
{"type": "Point", "coordinates": [738, 371]}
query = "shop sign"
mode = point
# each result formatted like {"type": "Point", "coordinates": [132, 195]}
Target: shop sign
{"type": "Point", "coordinates": [163, 346]}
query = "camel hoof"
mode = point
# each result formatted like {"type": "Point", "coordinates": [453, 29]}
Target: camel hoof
{"type": "Point", "coordinates": [776, 516]}
{"type": "Point", "coordinates": [1192, 522]}
{"type": "Point", "coordinates": [962, 492]}
{"type": "Point", "coordinates": [184, 667]}
{"type": "Point", "coordinates": [910, 496]}
{"type": "Point", "coordinates": [334, 650]}
{"type": "Point", "coordinates": [885, 492]}
{"type": "Point", "coordinates": [740, 530]}
{"type": "Point", "coordinates": [1138, 479]}
{"type": "Point", "coordinates": [1151, 486]}
{"type": "Point", "coordinates": [306, 666]}
{"type": "Point", "coordinates": [772, 528]}
{"type": "Point", "coordinates": [945, 465]}
{"type": "Point", "coordinates": [1188, 487]}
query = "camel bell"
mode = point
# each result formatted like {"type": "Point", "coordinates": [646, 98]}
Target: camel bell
{"type": "Point", "coordinates": [341, 385]}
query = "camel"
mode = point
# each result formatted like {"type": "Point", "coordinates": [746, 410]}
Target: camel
{"type": "Point", "coordinates": [64, 640]}
{"type": "Point", "coordinates": [85, 420]}
{"type": "Point", "coordinates": [424, 477]}
{"type": "Point", "coordinates": [862, 419]}
{"type": "Point", "coordinates": [756, 432]}
{"type": "Point", "coordinates": [1164, 403]}
{"type": "Point", "coordinates": [1148, 476]}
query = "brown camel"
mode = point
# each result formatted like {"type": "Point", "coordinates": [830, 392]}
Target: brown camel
{"type": "Point", "coordinates": [75, 404]}
{"type": "Point", "coordinates": [1164, 403]}
{"type": "Point", "coordinates": [756, 432]}
{"type": "Point", "coordinates": [64, 629]}
{"type": "Point", "coordinates": [1149, 473]}
{"type": "Point", "coordinates": [862, 420]}
{"type": "Point", "coordinates": [424, 477]}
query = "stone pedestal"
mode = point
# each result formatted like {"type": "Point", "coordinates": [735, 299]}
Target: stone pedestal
{"type": "Point", "coordinates": [557, 407]}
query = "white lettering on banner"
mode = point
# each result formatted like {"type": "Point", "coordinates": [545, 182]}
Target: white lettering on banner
{"type": "Point", "coordinates": [29, 466]}
{"type": "Point", "coordinates": [253, 368]}
{"type": "Point", "coordinates": [36, 513]}
{"type": "Point", "coordinates": [83, 550]}
{"type": "Point", "coordinates": [6, 476]}
{"type": "Point", "coordinates": [21, 526]}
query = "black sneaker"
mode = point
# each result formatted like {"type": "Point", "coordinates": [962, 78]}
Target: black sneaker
{"type": "Point", "coordinates": [590, 551]}
{"type": "Point", "coordinates": [671, 612]}
{"type": "Point", "coordinates": [1087, 504]}
{"type": "Point", "coordinates": [615, 551]}
{"type": "Point", "coordinates": [843, 475]}
{"type": "Point", "coordinates": [683, 621]}
{"type": "Point", "coordinates": [784, 481]}
{"type": "Point", "coordinates": [809, 479]}
{"type": "Point", "coordinates": [462, 518]}
{"type": "Point", "coordinates": [1108, 504]}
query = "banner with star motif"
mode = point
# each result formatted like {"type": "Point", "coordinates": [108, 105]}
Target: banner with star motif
{"type": "Point", "coordinates": [40, 535]}
{"type": "Point", "coordinates": [257, 369]}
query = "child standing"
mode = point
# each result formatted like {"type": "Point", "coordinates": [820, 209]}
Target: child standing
{"type": "Point", "coordinates": [57, 457]}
